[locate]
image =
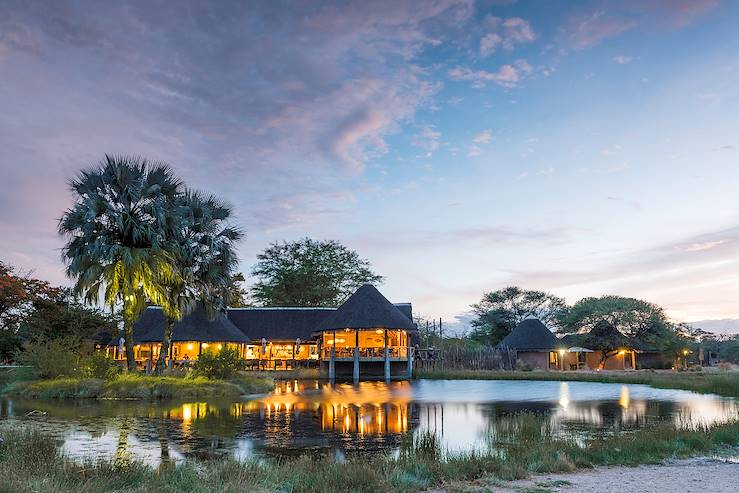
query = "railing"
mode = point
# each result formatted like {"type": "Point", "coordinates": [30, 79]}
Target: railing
{"type": "Point", "coordinates": [365, 352]}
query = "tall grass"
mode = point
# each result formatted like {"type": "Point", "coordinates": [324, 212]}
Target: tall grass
{"type": "Point", "coordinates": [31, 462]}
{"type": "Point", "coordinates": [133, 386]}
{"type": "Point", "coordinates": [725, 383]}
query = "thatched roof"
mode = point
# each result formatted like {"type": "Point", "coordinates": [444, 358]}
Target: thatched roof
{"type": "Point", "coordinates": [531, 335]}
{"type": "Point", "coordinates": [193, 327]}
{"type": "Point", "coordinates": [365, 309]}
{"type": "Point", "coordinates": [278, 324]}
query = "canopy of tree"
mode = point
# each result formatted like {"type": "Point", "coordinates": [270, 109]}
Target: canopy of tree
{"type": "Point", "coordinates": [309, 273]}
{"type": "Point", "coordinates": [500, 311]}
{"type": "Point", "coordinates": [33, 309]}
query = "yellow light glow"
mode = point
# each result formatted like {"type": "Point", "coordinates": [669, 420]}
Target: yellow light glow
{"type": "Point", "coordinates": [205, 344]}
{"type": "Point", "coordinates": [562, 352]}
{"type": "Point", "coordinates": [378, 331]}
{"type": "Point", "coordinates": [220, 346]}
{"type": "Point", "coordinates": [189, 347]}
{"type": "Point", "coordinates": [685, 352]}
{"type": "Point", "coordinates": [621, 353]}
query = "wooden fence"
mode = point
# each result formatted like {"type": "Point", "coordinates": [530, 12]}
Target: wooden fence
{"type": "Point", "coordinates": [463, 358]}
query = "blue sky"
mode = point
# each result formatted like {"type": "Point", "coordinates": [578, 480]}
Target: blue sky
{"type": "Point", "coordinates": [584, 148]}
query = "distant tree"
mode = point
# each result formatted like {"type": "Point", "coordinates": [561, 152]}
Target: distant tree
{"type": "Point", "coordinates": [500, 311]}
{"type": "Point", "coordinates": [309, 273]}
{"type": "Point", "coordinates": [238, 295]}
{"type": "Point", "coordinates": [115, 236]}
{"type": "Point", "coordinates": [201, 245]}
{"type": "Point", "coordinates": [65, 316]}
{"type": "Point", "coordinates": [637, 320]}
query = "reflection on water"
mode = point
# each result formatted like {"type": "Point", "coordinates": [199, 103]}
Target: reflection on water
{"type": "Point", "coordinates": [343, 419]}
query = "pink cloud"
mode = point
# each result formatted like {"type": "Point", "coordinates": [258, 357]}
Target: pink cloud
{"type": "Point", "coordinates": [508, 75]}
{"type": "Point", "coordinates": [506, 33]}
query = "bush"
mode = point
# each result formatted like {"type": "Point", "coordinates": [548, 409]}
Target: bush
{"type": "Point", "coordinates": [99, 365]}
{"type": "Point", "coordinates": [51, 358]}
{"type": "Point", "coordinates": [223, 364]}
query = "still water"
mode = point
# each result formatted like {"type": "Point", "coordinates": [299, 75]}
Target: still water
{"type": "Point", "coordinates": [346, 419]}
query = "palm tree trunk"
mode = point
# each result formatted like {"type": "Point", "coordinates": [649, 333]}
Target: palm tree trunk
{"type": "Point", "coordinates": [128, 336]}
{"type": "Point", "coordinates": [166, 341]}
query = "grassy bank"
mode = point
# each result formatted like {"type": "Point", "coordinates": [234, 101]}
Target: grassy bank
{"type": "Point", "coordinates": [31, 462]}
{"type": "Point", "coordinates": [725, 383]}
{"type": "Point", "coordinates": [129, 386]}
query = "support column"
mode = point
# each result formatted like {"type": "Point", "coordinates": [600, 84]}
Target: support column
{"type": "Point", "coordinates": [410, 362]}
{"type": "Point", "coordinates": [355, 373]}
{"type": "Point", "coordinates": [387, 359]}
{"type": "Point", "coordinates": [332, 364]}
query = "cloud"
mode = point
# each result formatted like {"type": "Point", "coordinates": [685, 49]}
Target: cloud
{"type": "Point", "coordinates": [427, 139]}
{"type": "Point", "coordinates": [484, 137]}
{"type": "Point", "coordinates": [589, 26]}
{"type": "Point", "coordinates": [508, 75]}
{"type": "Point", "coordinates": [506, 33]}
{"type": "Point", "coordinates": [586, 29]}
{"type": "Point", "coordinates": [277, 110]}
{"type": "Point", "coordinates": [621, 59]}
{"type": "Point", "coordinates": [701, 247]}
{"type": "Point", "coordinates": [474, 151]}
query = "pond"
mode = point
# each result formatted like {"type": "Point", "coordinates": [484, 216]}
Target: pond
{"type": "Point", "coordinates": [345, 419]}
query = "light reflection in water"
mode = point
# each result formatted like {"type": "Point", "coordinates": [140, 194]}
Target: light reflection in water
{"type": "Point", "coordinates": [302, 416]}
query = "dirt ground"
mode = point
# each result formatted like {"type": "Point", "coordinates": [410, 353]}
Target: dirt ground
{"type": "Point", "coordinates": [700, 474]}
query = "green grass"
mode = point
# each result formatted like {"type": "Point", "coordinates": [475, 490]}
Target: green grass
{"type": "Point", "coordinates": [31, 462]}
{"type": "Point", "coordinates": [724, 383]}
{"type": "Point", "coordinates": [131, 386]}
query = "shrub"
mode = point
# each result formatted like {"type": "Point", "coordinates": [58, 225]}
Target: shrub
{"type": "Point", "coordinates": [99, 365]}
{"type": "Point", "coordinates": [51, 358]}
{"type": "Point", "coordinates": [223, 364]}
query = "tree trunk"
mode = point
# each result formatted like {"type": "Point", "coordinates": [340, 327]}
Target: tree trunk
{"type": "Point", "coordinates": [164, 350]}
{"type": "Point", "coordinates": [128, 336]}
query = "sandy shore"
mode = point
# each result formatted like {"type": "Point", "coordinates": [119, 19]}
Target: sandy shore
{"type": "Point", "coordinates": [700, 474]}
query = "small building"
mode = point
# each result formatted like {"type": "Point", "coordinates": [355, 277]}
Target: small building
{"type": "Point", "coordinates": [585, 350]}
{"type": "Point", "coordinates": [534, 345]}
{"type": "Point", "coordinates": [367, 332]}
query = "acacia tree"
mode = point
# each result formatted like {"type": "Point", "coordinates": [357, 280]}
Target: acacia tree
{"type": "Point", "coordinates": [498, 312]}
{"type": "Point", "coordinates": [115, 237]}
{"type": "Point", "coordinates": [202, 245]}
{"type": "Point", "coordinates": [309, 273]}
{"type": "Point", "coordinates": [637, 320]}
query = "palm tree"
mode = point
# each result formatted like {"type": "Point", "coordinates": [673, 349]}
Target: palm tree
{"type": "Point", "coordinates": [203, 248]}
{"type": "Point", "coordinates": [116, 236]}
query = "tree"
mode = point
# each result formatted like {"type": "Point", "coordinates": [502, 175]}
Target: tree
{"type": "Point", "coordinates": [202, 246]}
{"type": "Point", "coordinates": [309, 273]}
{"type": "Point", "coordinates": [238, 295]}
{"type": "Point", "coordinates": [637, 320]}
{"type": "Point", "coordinates": [115, 235]}
{"type": "Point", "coordinates": [500, 311]}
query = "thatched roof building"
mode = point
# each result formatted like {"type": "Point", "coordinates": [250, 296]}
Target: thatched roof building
{"type": "Point", "coordinates": [194, 327]}
{"type": "Point", "coordinates": [367, 308]}
{"type": "Point", "coordinates": [531, 335]}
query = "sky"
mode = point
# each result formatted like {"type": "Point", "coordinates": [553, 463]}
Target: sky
{"type": "Point", "coordinates": [578, 147]}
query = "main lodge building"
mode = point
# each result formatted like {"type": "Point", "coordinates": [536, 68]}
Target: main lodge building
{"type": "Point", "coordinates": [366, 332]}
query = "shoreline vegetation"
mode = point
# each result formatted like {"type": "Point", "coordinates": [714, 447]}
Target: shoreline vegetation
{"type": "Point", "coordinates": [32, 462]}
{"type": "Point", "coordinates": [720, 383]}
{"type": "Point", "coordinates": [133, 386]}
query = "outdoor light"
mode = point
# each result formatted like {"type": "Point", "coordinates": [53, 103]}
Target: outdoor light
{"type": "Point", "coordinates": [562, 352]}
{"type": "Point", "coordinates": [621, 353]}
{"type": "Point", "coordinates": [205, 344]}
{"type": "Point", "coordinates": [378, 331]}
{"type": "Point", "coordinates": [189, 347]}
{"type": "Point", "coordinates": [220, 346]}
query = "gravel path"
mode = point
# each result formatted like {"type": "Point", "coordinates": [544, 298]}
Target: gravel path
{"type": "Point", "coordinates": [700, 474]}
{"type": "Point", "coordinates": [696, 475]}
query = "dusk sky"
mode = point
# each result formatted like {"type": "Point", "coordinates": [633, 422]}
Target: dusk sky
{"type": "Point", "coordinates": [582, 148]}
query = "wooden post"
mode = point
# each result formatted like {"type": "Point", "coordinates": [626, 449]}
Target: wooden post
{"type": "Point", "coordinates": [387, 359]}
{"type": "Point", "coordinates": [332, 360]}
{"type": "Point", "coordinates": [410, 362]}
{"type": "Point", "coordinates": [200, 349]}
{"type": "Point", "coordinates": [355, 373]}
{"type": "Point", "coordinates": [633, 360]}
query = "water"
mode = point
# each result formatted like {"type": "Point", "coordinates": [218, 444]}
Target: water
{"type": "Point", "coordinates": [346, 419]}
